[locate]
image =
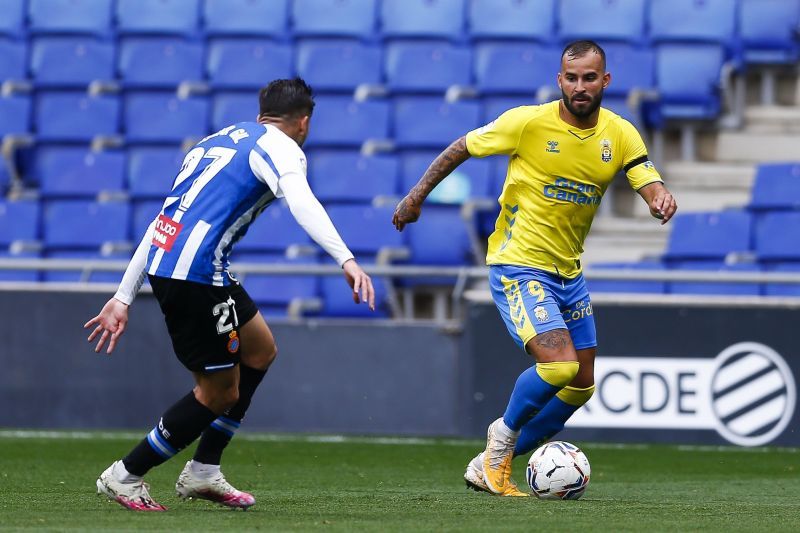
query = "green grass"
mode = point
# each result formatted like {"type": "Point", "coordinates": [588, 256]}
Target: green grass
{"type": "Point", "coordinates": [373, 485]}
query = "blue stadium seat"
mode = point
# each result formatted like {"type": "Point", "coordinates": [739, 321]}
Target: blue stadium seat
{"type": "Point", "coordinates": [276, 290]}
{"type": "Point", "coordinates": [767, 31]}
{"type": "Point", "coordinates": [515, 68]}
{"type": "Point", "coordinates": [338, 65]}
{"type": "Point", "coordinates": [76, 224]}
{"type": "Point", "coordinates": [5, 177]}
{"type": "Point", "coordinates": [348, 176]}
{"type": "Point", "coordinates": [692, 20]}
{"type": "Point", "coordinates": [144, 212]}
{"type": "Point", "coordinates": [70, 16]}
{"type": "Point", "coordinates": [426, 66]}
{"type": "Point", "coordinates": [511, 19]}
{"type": "Point", "coordinates": [68, 171]}
{"type": "Point", "coordinates": [337, 299]}
{"type": "Point", "coordinates": [75, 116]}
{"type": "Point", "coordinates": [162, 117]}
{"type": "Point", "coordinates": [334, 18]}
{"type": "Point", "coordinates": [274, 231]}
{"type": "Point", "coordinates": [341, 121]}
{"type": "Point", "coordinates": [709, 236]}
{"type": "Point", "coordinates": [688, 81]}
{"type": "Point", "coordinates": [471, 179]}
{"type": "Point", "coordinates": [777, 236]}
{"type": "Point", "coordinates": [430, 122]}
{"type": "Point", "coordinates": [71, 62]}
{"type": "Point", "coordinates": [19, 275]}
{"type": "Point", "coordinates": [266, 18]}
{"type": "Point", "coordinates": [19, 221]}
{"type": "Point", "coordinates": [727, 288]}
{"type": "Point", "coordinates": [74, 276]}
{"type": "Point", "coordinates": [12, 17]}
{"type": "Point", "coordinates": [159, 62]}
{"type": "Point", "coordinates": [15, 115]}
{"type": "Point", "coordinates": [152, 169]}
{"type": "Point", "coordinates": [442, 19]}
{"type": "Point", "coordinates": [631, 67]}
{"type": "Point", "coordinates": [366, 229]}
{"type": "Point", "coordinates": [782, 289]}
{"type": "Point", "coordinates": [439, 238]}
{"type": "Point", "coordinates": [14, 65]}
{"type": "Point", "coordinates": [247, 63]}
{"type": "Point", "coordinates": [494, 106]}
{"type": "Point", "coordinates": [602, 20]}
{"type": "Point", "coordinates": [233, 107]}
{"type": "Point", "coordinates": [777, 186]}
{"type": "Point", "coordinates": [171, 17]}
{"type": "Point", "coordinates": [626, 286]}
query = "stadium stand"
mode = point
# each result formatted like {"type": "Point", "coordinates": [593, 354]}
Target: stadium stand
{"type": "Point", "coordinates": [602, 20]}
{"type": "Point", "coordinates": [263, 18]}
{"type": "Point", "coordinates": [532, 20]}
{"type": "Point", "coordinates": [244, 64]}
{"type": "Point", "coordinates": [85, 17]}
{"type": "Point", "coordinates": [159, 62]}
{"type": "Point", "coordinates": [442, 19]}
{"type": "Point", "coordinates": [334, 18]}
{"type": "Point", "coordinates": [71, 62]}
{"type": "Point", "coordinates": [338, 65]}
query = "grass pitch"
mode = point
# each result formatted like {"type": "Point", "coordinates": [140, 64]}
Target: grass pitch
{"type": "Point", "coordinates": [319, 484]}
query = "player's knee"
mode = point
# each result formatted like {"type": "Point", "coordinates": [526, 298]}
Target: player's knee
{"type": "Point", "coordinates": [558, 373]}
{"type": "Point", "coordinates": [575, 396]}
{"type": "Point", "coordinates": [228, 398]}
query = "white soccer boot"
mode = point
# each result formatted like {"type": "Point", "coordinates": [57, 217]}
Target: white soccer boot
{"type": "Point", "coordinates": [496, 462]}
{"type": "Point", "coordinates": [133, 496]}
{"type": "Point", "coordinates": [215, 489]}
{"type": "Point", "coordinates": [474, 479]}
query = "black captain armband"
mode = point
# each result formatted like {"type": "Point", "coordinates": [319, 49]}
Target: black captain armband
{"type": "Point", "coordinates": [635, 162]}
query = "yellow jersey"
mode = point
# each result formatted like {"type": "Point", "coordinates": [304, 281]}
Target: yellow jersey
{"type": "Point", "coordinates": [556, 176]}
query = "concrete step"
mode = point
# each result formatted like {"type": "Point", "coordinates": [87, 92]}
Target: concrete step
{"type": "Point", "coordinates": [614, 239]}
{"type": "Point", "coordinates": [703, 176]}
{"type": "Point", "coordinates": [772, 120]}
{"type": "Point", "coordinates": [757, 148]}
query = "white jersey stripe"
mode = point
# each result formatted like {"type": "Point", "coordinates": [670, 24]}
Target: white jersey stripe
{"type": "Point", "coordinates": [190, 249]}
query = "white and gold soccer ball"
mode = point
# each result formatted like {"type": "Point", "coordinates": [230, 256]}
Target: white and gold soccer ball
{"type": "Point", "coordinates": [558, 470]}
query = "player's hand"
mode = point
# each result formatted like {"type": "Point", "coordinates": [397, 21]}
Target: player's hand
{"type": "Point", "coordinates": [406, 212]}
{"type": "Point", "coordinates": [360, 283]}
{"type": "Point", "coordinates": [663, 206]}
{"type": "Point", "coordinates": [109, 324]}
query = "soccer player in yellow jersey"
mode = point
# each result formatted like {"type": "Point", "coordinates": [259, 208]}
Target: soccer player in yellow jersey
{"type": "Point", "coordinates": [562, 158]}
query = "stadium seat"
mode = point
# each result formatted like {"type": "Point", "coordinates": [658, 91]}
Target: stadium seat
{"type": "Point", "coordinates": [275, 289]}
{"type": "Point", "coordinates": [442, 19]}
{"type": "Point", "coordinates": [169, 17]}
{"type": "Point", "coordinates": [777, 236]}
{"type": "Point", "coordinates": [343, 122]}
{"type": "Point", "coordinates": [75, 116]}
{"type": "Point", "coordinates": [430, 122]}
{"type": "Point", "coordinates": [76, 224]}
{"type": "Point", "coordinates": [515, 68]}
{"type": "Point", "coordinates": [709, 236]}
{"type": "Point", "coordinates": [511, 19]}
{"type": "Point", "coordinates": [726, 288]}
{"type": "Point", "coordinates": [776, 186]}
{"type": "Point", "coordinates": [768, 31]}
{"type": "Point", "coordinates": [12, 17]}
{"type": "Point", "coordinates": [71, 62]}
{"type": "Point", "coordinates": [14, 65]}
{"type": "Point", "coordinates": [19, 221]}
{"type": "Point", "coordinates": [92, 276]}
{"type": "Point", "coordinates": [470, 180]}
{"type": "Point", "coordinates": [338, 65]}
{"type": "Point", "coordinates": [144, 212]}
{"type": "Point", "coordinates": [602, 20]}
{"type": "Point", "coordinates": [440, 238]}
{"type": "Point", "coordinates": [337, 299]}
{"type": "Point", "coordinates": [68, 171]}
{"type": "Point", "coordinates": [247, 63]}
{"type": "Point", "coordinates": [631, 68]}
{"type": "Point", "coordinates": [267, 18]}
{"type": "Point", "coordinates": [70, 16]}
{"type": "Point", "coordinates": [230, 108]}
{"type": "Point", "coordinates": [5, 178]}
{"type": "Point", "coordinates": [628, 286]}
{"type": "Point", "coordinates": [15, 115]}
{"type": "Point", "coordinates": [334, 18]}
{"type": "Point", "coordinates": [162, 117]}
{"type": "Point", "coordinates": [692, 20]}
{"type": "Point", "coordinates": [426, 66]}
{"type": "Point", "coordinates": [782, 289]}
{"type": "Point", "coordinates": [274, 231]}
{"type": "Point", "coordinates": [366, 229]}
{"type": "Point", "coordinates": [19, 275]}
{"type": "Point", "coordinates": [688, 78]}
{"type": "Point", "coordinates": [152, 169]}
{"type": "Point", "coordinates": [348, 176]}
{"type": "Point", "coordinates": [159, 62]}
{"type": "Point", "coordinates": [494, 106]}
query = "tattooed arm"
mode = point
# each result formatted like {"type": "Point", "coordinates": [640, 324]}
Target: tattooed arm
{"type": "Point", "coordinates": [409, 208]}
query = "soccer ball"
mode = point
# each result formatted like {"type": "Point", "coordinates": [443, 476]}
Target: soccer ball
{"type": "Point", "coordinates": [558, 471]}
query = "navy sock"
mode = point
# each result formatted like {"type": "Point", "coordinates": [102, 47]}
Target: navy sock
{"type": "Point", "coordinates": [179, 426]}
{"type": "Point", "coordinates": [217, 436]}
{"type": "Point", "coordinates": [530, 395]}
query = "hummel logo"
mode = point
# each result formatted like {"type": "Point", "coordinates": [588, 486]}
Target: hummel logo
{"type": "Point", "coordinates": [552, 147]}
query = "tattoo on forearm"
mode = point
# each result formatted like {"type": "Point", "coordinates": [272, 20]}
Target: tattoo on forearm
{"type": "Point", "coordinates": [553, 339]}
{"type": "Point", "coordinates": [442, 166]}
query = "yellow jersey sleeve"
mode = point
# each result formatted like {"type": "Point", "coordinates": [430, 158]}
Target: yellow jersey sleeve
{"type": "Point", "coordinates": [502, 135]}
{"type": "Point", "coordinates": [638, 167]}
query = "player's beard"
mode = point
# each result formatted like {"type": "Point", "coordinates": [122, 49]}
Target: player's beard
{"type": "Point", "coordinates": [594, 103]}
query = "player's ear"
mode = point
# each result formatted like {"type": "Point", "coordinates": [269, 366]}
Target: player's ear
{"type": "Point", "coordinates": [558, 80]}
{"type": "Point", "coordinates": [606, 79]}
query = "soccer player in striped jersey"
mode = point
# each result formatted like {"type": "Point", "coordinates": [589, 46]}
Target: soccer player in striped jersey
{"type": "Point", "coordinates": [225, 182]}
{"type": "Point", "coordinates": [562, 158]}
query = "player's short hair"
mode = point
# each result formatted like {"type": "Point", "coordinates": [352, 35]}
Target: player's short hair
{"type": "Point", "coordinates": [583, 47]}
{"type": "Point", "coordinates": [286, 98]}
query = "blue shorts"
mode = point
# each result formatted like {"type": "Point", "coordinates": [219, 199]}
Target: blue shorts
{"type": "Point", "coordinates": [533, 301]}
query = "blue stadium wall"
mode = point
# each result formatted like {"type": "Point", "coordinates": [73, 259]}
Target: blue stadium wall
{"type": "Point", "coordinates": [703, 375]}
